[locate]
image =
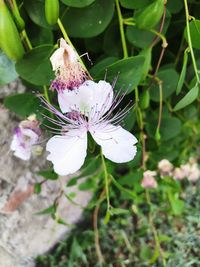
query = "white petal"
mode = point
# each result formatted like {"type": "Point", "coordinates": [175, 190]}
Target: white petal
{"type": "Point", "coordinates": [62, 55]}
{"type": "Point", "coordinates": [19, 150]}
{"type": "Point", "coordinates": [76, 99]}
{"type": "Point", "coordinates": [22, 143]}
{"type": "Point", "coordinates": [102, 95]}
{"type": "Point", "coordinates": [67, 153]}
{"type": "Point", "coordinates": [71, 54]}
{"type": "Point", "coordinates": [57, 59]}
{"type": "Point", "coordinates": [117, 144]}
{"type": "Point", "coordinates": [90, 97]}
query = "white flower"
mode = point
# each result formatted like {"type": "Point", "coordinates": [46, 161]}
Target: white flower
{"type": "Point", "coordinates": [25, 136]}
{"type": "Point", "coordinates": [63, 55]}
{"type": "Point", "coordinates": [148, 180]}
{"type": "Point", "coordinates": [88, 109]}
{"type": "Point", "coordinates": [165, 167]}
{"type": "Point", "coordinates": [68, 70]}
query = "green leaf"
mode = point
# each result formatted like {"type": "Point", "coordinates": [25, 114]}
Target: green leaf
{"type": "Point", "coordinates": [112, 41]}
{"type": "Point", "coordinates": [22, 104]}
{"type": "Point", "coordinates": [88, 184]}
{"type": "Point", "coordinates": [7, 69]}
{"type": "Point", "coordinates": [35, 66]}
{"type": "Point", "coordinates": [48, 174]}
{"type": "Point", "coordinates": [49, 210]}
{"type": "Point", "coordinates": [91, 166]}
{"type": "Point", "coordinates": [77, 3]}
{"type": "Point", "coordinates": [37, 188]}
{"type": "Point", "coordinates": [117, 211]}
{"type": "Point", "coordinates": [177, 205]}
{"type": "Point", "coordinates": [76, 252]}
{"type": "Point", "coordinates": [170, 80]}
{"type": "Point", "coordinates": [102, 65]}
{"type": "Point", "coordinates": [139, 38]}
{"type": "Point", "coordinates": [147, 54]}
{"type": "Point", "coordinates": [174, 6]}
{"type": "Point", "coordinates": [36, 11]}
{"type": "Point", "coordinates": [40, 36]}
{"type": "Point", "coordinates": [194, 33]}
{"type": "Point", "coordinates": [89, 21]}
{"type": "Point", "coordinates": [188, 98]}
{"type": "Point", "coordinates": [130, 71]}
{"type": "Point", "coordinates": [134, 4]}
{"type": "Point", "coordinates": [183, 73]}
{"type": "Point", "coordinates": [169, 128]}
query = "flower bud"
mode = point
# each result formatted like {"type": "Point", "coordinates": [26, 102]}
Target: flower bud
{"type": "Point", "coordinates": [178, 174]}
{"type": "Point", "coordinates": [52, 11]}
{"type": "Point", "coordinates": [148, 180]}
{"type": "Point", "coordinates": [149, 17]}
{"type": "Point", "coordinates": [145, 99]}
{"type": "Point", "coordinates": [165, 167]}
{"type": "Point", "coordinates": [10, 41]}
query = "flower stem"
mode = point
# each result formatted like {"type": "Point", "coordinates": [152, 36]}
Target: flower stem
{"type": "Point", "coordinates": [154, 231]}
{"type": "Point", "coordinates": [190, 41]}
{"type": "Point", "coordinates": [121, 28]}
{"type": "Point", "coordinates": [160, 108]}
{"type": "Point", "coordinates": [46, 95]}
{"type": "Point", "coordinates": [96, 231]}
{"type": "Point", "coordinates": [26, 39]}
{"type": "Point", "coordinates": [106, 181]}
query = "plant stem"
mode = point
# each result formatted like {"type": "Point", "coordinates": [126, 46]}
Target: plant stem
{"type": "Point", "coordinates": [96, 231]}
{"type": "Point", "coordinates": [160, 105]}
{"type": "Point", "coordinates": [155, 234]}
{"type": "Point", "coordinates": [26, 39]}
{"type": "Point", "coordinates": [121, 28]}
{"type": "Point", "coordinates": [129, 23]}
{"type": "Point", "coordinates": [190, 41]}
{"type": "Point", "coordinates": [46, 95]}
{"type": "Point", "coordinates": [106, 181]}
{"type": "Point", "coordinates": [141, 127]}
{"type": "Point", "coordinates": [162, 37]}
{"type": "Point", "coordinates": [161, 26]}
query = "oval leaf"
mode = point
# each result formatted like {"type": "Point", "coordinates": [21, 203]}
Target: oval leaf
{"type": "Point", "coordinates": [7, 69]}
{"type": "Point", "coordinates": [77, 3]}
{"type": "Point", "coordinates": [36, 11]}
{"type": "Point", "coordinates": [188, 98]}
{"type": "Point", "coordinates": [22, 104]}
{"type": "Point", "coordinates": [169, 77]}
{"type": "Point", "coordinates": [194, 33]}
{"type": "Point", "coordinates": [89, 21]}
{"type": "Point", "coordinates": [134, 4]}
{"type": "Point", "coordinates": [182, 75]}
{"type": "Point", "coordinates": [130, 71]}
{"type": "Point", "coordinates": [35, 66]}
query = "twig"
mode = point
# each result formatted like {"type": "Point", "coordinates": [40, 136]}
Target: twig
{"type": "Point", "coordinates": [96, 231]}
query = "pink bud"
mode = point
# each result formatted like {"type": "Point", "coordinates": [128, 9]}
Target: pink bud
{"type": "Point", "coordinates": [148, 180]}
{"type": "Point", "coordinates": [178, 174]}
{"type": "Point", "coordinates": [165, 167]}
